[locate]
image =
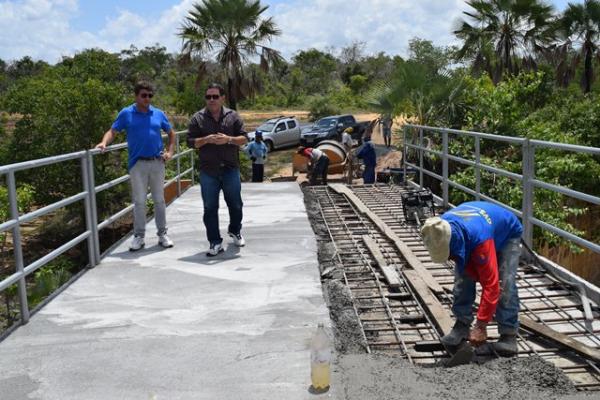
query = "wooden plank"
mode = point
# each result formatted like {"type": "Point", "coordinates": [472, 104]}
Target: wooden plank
{"type": "Point", "coordinates": [406, 252]}
{"type": "Point", "coordinates": [390, 273]}
{"type": "Point", "coordinates": [440, 316]}
{"type": "Point", "coordinates": [560, 338]}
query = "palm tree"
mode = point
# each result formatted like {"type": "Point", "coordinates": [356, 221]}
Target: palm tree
{"type": "Point", "coordinates": [500, 31]}
{"type": "Point", "coordinates": [233, 31]}
{"type": "Point", "coordinates": [581, 22]}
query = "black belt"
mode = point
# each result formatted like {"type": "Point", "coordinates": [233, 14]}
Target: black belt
{"type": "Point", "coordinates": [150, 158]}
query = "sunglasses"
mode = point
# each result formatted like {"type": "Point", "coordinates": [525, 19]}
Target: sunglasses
{"type": "Point", "coordinates": [212, 96]}
{"type": "Point", "coordinates": [148, 95]}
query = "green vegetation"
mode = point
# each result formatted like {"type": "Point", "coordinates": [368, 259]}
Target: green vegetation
{"type": "Point", "coordinates": [521, 69]}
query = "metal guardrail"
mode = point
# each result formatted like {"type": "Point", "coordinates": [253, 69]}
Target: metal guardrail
{"type": "Point", "coordinates": [87, 195]}
{"type": "Point", "coordinates": [526, 177]}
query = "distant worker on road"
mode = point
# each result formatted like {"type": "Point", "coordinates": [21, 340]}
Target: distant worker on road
{"type": "Point", "coordinates": [368, 133]}
{"type": "Point", "coordinates": [483, 239]}
{"type": "Point", "coordinates": [257, 151]}
{"type": "Point", "coordinates": [146, 160]}
{"type": "Point", "coordinates": [386, 129]}
{"type": "Point", "coordinates": [369, 157]}
{"type": "Point", "coordinates": [348, 143]}
{"type": "Point", "coordinates": [318, 163]}
{"type": "Point", "coordinates": [218, 132]}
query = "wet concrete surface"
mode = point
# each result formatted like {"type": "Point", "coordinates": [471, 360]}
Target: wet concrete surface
{"type": "Point", "coordinates": [165, 324]}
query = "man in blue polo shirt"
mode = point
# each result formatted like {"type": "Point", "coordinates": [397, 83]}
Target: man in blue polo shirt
{"type": "Point", "coordinates": [143, 124]}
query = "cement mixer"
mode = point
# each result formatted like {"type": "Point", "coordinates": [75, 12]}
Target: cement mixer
{"type": "Point", "coordinates": [338, 159]}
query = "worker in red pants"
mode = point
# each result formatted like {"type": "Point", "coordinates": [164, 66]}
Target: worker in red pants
{"type": "Point", "coordinates": [483, 240]}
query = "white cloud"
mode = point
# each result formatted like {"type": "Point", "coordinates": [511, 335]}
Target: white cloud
{"type": "Point", "coordinates": [42, 29]}
{"type": "Point", "coordinates": [383, 25]}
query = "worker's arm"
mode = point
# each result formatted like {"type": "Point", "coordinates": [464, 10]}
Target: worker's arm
{"type": "Point", "coordinates": [171, 145]}
{"type": "Point", "coordinates": [483, 258]}
{"type": "Point", "coordinates": [107, 139]}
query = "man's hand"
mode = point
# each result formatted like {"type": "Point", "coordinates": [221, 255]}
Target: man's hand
{"type": "Point", "coordinates": [101, 146]}
{"type": "Point", "coordinates": [253, 159]}
{"type": "Point", "coordinates": [167, 156]}
{"type": "Point", "coordinates": [478, 334]}
{"type": "Point", "coordinates": [221, 138]}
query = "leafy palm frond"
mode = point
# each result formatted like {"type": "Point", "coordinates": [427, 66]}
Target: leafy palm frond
{"type": "Point", "coordinates": [233, 32]}
{"type": "Point", "coordinates": [511, 29]}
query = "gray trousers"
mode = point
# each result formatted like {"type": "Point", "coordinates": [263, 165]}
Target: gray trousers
{"type": "Point", "coordinates": [143, 174]}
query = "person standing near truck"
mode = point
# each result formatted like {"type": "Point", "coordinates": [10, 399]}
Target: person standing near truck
{"type": "Point", "coordinates": [257, 151]}
{"type": "Point", "coordinates": [367, 153]}
{"type": "Point", "coordinates": [386, 129]}
{"type": "Point", "coordinates": [348, 143]}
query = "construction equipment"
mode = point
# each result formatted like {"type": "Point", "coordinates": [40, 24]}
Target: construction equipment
{"type": "Point", "coordinates": [335, 151]}
{"type": "Point", "coordinates": [417, 205]}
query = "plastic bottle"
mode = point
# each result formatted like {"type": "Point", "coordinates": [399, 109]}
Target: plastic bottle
{"type": "Point", "coordinates": [320, 359]}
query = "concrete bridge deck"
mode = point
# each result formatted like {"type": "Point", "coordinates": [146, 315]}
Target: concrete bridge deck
{"type": "Point", "coordinates": [174, 324]}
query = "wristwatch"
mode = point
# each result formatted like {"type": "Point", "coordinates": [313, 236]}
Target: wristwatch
{"type": "Point", "coordinates": [229, 141]}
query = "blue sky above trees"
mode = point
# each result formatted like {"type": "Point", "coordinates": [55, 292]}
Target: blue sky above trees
{"type": "Point", "coordinates": [49, 29]}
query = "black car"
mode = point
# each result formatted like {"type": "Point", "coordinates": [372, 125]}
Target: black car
{"type": "Point", "coordinates": [331, 128]}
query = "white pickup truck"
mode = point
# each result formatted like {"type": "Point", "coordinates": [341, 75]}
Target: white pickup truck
{"type": "Point", "coordinates": [279, 132]}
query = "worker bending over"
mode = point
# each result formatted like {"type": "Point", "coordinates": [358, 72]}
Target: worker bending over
{"type": "Point", "coordinates": [318, 163]}
{"type": "Point", "coordinates": [483, 240]}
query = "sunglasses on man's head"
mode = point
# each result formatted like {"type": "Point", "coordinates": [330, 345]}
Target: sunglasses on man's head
{"type": "Point", "coordinates": [149, 95]}
{"type": "Point", "coordinates": [212, 96]}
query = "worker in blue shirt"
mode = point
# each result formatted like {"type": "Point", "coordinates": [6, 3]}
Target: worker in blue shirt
{"type": "Point", "coordinates": [257, 151]}
{"type": "Point", "coordinates": [367, 153]}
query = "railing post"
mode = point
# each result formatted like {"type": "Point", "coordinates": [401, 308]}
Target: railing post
{"type": "Point", "coordinates": [178, 164]}
{"type": "Point", "coordinates": [477, 168]}
{"type": "Point", "coordinates": [420, 158]}
{"type": "Point", "coordinates": [528, 195]}
{"type": "Point", "coordinates": [89, 225]}
{"type": "Point", "coordinates": [445, 167]}
{"type": "Point", "coordinates": [404, 154]}
{"type": "Point", "coordinates": [93, 206]}
{"type": "Point", "coordinates": [192, 155]}
{"type": "Point", "coordinates": [18, 250]}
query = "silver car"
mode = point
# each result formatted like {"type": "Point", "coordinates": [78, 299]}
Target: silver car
{"type": "Point", "coordinates": [279, 132]}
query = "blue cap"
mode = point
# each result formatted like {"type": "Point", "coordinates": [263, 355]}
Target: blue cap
{"type": "Point", "coordinates": [258, 133]}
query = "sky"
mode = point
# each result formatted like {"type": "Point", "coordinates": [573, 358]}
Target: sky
{"type": "Point", "coordinates": [51, 29]}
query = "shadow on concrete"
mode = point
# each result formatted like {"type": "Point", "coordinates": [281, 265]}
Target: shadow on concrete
{"type": "Point", "coordinates": [132, 255]}
{"type": "Point", "coordinates": [231, 253]}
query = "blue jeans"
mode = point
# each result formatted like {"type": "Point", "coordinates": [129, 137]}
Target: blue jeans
{"type": "Point", "coordinates": [507, 311]}
{"type": "Point", "coordinates": [229, 181]}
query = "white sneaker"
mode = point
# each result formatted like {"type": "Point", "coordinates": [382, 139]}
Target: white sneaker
{"type": "Point", "coordinates": [165, 241]}
{"type": "Point", "coordinates": [238, 239]}
{"type": "Point", "coordinates": [214, 250]}
{"type": "Point", "coordinates": [137, 243]}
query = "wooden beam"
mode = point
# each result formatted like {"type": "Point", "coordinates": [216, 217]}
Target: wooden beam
{"type": "Point", "coordinates": [560, 338]}
{"type": "Point", "coordinates": [439, 315]}
{"type": "Point", "coordinates": [390, 273]}
{"type": "Point", "coordinates": [406, 252]}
